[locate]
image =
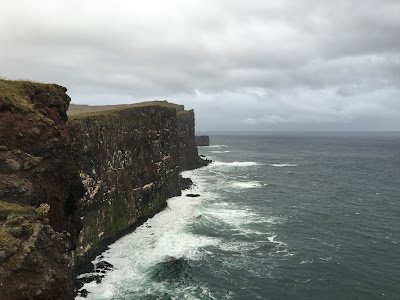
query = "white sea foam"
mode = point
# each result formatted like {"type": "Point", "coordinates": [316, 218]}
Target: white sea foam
{"type": "Point", "coordinates": [306, 262]}
{"type": "Point", "coordinates": [163, 236]}
{"type": "Point", "coordinates": [235, 164]}
{"type": "Point", "coordinates": [219, 151]}
{"type": "Point", "coordinates": [167, 235]}
{"type": "Point", "coordinates": [247, 185]}
{"type": "Point", "coordinates": [238, 247]}
{"type": "Point", "coordinates": [216, 146]}
{"type": "Point", "coordinates": [283, 165]}
{"type": "Point", "coordinates": [231, 216]}
{"type": "Point", "coordinates": [269, 220]}
{"type": "Point", "coordinates": [325, 259]}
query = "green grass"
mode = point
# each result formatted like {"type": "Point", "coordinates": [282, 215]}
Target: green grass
{"type": "Point", "coordinates": [11, 208]}
{"type": "Point", "coordinates": [17, 93]}
{"type": "Point", "coordinates": [78, 111]}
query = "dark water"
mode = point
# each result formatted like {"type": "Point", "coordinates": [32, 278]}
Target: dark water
{"type": "Point", "coordinates": [281, 216]}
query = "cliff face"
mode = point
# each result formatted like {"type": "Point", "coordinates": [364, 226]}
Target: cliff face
{"type": "Point", "coordinates": [37, 166]}
{"type": "Point", "coordinates": [189, 158]}
{"type": "Point", "coordinates": [131, 159]}
{"type": "Point", "coordinates": [129, 167]}
{"type": "Point", "coordinates": [203, 140]}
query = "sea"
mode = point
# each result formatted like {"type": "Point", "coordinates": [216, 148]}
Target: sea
{"type": "Point", "coordinates": [278, 216]}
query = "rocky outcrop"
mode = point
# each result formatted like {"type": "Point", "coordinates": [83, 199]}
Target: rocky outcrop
{"type": "Point", "coordinates": [38, 166]}
{"type": "Point", "coordinates": [202, 140]}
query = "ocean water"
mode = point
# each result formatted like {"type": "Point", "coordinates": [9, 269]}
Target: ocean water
{"type": "Point", "coordinates": [280, 216]}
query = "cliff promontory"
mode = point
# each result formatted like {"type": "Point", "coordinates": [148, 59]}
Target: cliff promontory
{"type": "Point", "coordinates": [68, 189]}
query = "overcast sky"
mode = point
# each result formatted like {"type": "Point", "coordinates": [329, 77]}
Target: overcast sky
{"type": "Point", "coordinates": [241, 64]}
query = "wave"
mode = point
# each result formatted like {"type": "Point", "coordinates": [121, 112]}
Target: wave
{"type": "Point", "coordinates": [160, 239]}
{"type": "Point", "coordinates": [230, 216]}
{"type": "Point", "coordinates": [219, 151]}
{"type": "Point", "coordinates": [283, 165]}
{"type": "Point", "coordinates": [306, 262]}
{"type": "Point", "coordinates": [270, 220]}
{"type": "Point", "coordinates": [216, 146]}
{"type": "Point", "coordinates": [325, 258]}
{"type": "Point", "coordinates": [247, 185]}
{"type": "Point", "coordinates": [235, 164]}
{"type": "Point", "coordinates": [272, 238]}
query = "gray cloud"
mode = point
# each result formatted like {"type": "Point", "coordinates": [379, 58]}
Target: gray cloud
{"type": "Point", "coordinates": [242, 65]}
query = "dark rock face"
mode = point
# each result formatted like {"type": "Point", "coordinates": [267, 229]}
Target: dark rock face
{"type": "Point", "coordinates": [34, 168]}
{"type": "Point", "coordinates": [38, 166]}
{"type": "Point", "coordinates": [130, 164]}
{"type": "Point", "coordinates": [185, 183]}
{"type": "Point", "coordinates": [34, 264]}
{"type": "Point", "coordinates": [202, 140]}
{"type": "Point", "coordinates": [189, 155]}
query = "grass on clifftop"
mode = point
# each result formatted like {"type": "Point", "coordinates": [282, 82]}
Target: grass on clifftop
{"type": "Point", "coordinates": [16, 94]}
{"type": "Point", "coordinates": [7, 208]}
{"type": "Point", "coordinates": [76, 111]}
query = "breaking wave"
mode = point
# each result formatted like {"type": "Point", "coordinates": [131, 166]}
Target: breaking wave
{"type": "Point", "coordinates": [283, 165]}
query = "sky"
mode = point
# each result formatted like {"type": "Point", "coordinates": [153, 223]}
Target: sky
{"type": "Point", "coordinates": [242, 65]}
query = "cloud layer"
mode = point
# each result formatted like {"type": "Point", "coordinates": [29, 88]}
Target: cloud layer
{"type": "Point", "coordinates": [242, 65]}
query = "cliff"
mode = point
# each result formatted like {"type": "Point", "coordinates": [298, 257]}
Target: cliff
{"type": "Point", "coordinates": [130, 157]}
{"type": "Point", "coordinates": [39, 192]}
{"type": "Point", "coordinates": [66, 191]}
{"type": "Point", "coordinates": [202, 140]}
{"type": "Point", "coordinates": [189, 154]}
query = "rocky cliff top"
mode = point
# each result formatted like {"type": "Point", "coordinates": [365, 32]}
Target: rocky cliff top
{"type": "Point", "coordinates": [26, 96]}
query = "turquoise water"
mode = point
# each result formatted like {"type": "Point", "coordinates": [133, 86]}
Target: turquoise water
{"type": "Point", "coordinates": [280, 216]}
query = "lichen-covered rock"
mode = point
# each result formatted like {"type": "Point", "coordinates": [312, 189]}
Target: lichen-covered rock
{"type": "Point", "coordinates": [37, 166]}
{"type": "Point", "coordinates": [33, 257]}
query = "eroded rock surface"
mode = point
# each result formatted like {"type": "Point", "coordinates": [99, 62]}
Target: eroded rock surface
{"type": "Point", "coordinates": [37, 166]}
